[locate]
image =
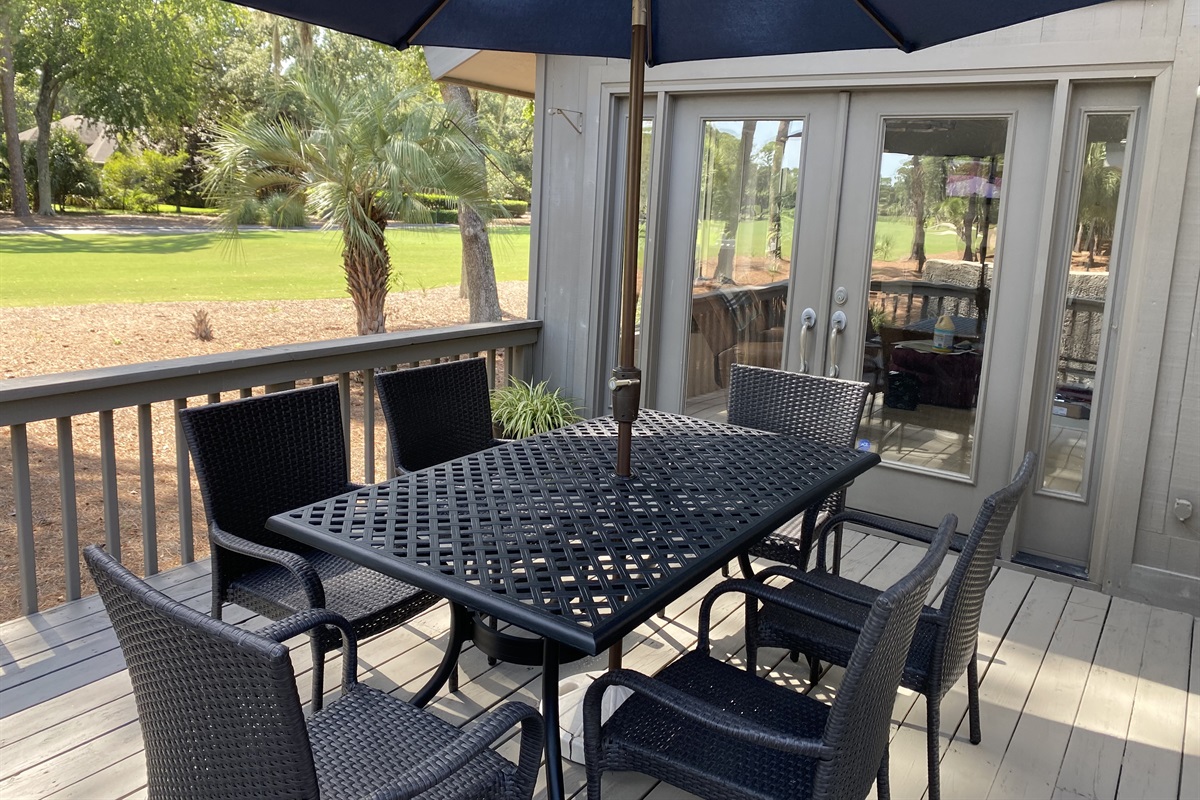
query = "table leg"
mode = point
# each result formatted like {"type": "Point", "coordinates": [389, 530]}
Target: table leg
{"type": "Point", "coordinates": [460, 629]}
{"type": "Point", "coordinates": [554, 767]}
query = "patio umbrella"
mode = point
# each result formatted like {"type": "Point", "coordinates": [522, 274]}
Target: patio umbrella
{"type": "Point", "coordinates": [649, 32]}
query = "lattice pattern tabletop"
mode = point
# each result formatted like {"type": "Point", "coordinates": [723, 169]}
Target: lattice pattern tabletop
{"type": "Point", "coordinates": [541, 532]}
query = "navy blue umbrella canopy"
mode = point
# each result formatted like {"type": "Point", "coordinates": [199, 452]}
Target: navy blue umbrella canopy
{"type": "Point", "coordinates": [661, 32]}
{"type": "Point", "coordinates": [679, 30]}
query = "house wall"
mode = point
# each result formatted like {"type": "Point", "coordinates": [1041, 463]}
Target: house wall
{"type": "Point", "coordinates": [1148, 460]}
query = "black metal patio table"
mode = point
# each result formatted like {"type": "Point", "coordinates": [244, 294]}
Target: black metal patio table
{"type": "Point", "coordinates": [543, 534]}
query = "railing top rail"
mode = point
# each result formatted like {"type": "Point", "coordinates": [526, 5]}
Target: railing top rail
{"type": "Point", "coordinates": [68, 393]}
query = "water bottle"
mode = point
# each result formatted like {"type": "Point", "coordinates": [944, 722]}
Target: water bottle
{"type": "Point", "coordinates": [943, 334]}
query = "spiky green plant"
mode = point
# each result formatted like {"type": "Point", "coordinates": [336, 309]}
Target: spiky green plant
{"type": "Point", "coordinates": [522, 409]}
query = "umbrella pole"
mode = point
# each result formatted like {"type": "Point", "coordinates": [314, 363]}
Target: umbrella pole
{"type": "Point", "coordinates": [626, 381]}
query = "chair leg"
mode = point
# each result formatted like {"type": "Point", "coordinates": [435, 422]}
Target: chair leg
{"type": "Point", "coordinates": [883, 788]}
{"type": "Point", "coordinates": [318, 672]}
{"type": "Point", "coordinates": [725, 570]}
{"type": "Point", "coordinates": [933, 715]}
{"type": "Point", "coordinates": [744, 566]}
{"type": "Point", "coordinates": [837, 550]}
{"type": "Point", "coordinates": [973, 698]}
{"type": "Point", "coordinates": [814, 669]}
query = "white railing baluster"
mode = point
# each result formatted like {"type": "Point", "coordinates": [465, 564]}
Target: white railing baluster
{"type": "Point", "coordinates": [22, 495]}
{"type": "Point", "coordinates": [369, 425]}
{"type": "Point", "coordinates": [183, 489]}
{"type": "Point", "coordinates": [146, 474]}
{"type": "Point", "coordinates": [68, 507]}
{"type": "Point", "coordinates": [108, 484]}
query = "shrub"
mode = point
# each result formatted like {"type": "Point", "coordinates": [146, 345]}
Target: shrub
{"type": "Point", "coordinates": [129, 178]}
{"type": "Point", "coordinates": [283, 210]}
{"type": "Point", "coordinates": [250, 213]}
{"type": "Point", "coordinates": [522, 409]}
{"type": "Point", "coordinates": [71, 170]}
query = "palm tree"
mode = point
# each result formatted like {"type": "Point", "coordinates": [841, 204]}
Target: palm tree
{"type": "Point", "coordinates": [364, 159]}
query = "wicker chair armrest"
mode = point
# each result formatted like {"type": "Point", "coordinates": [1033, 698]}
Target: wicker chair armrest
{"type": "Point", "coordinates": [303, 621]}
{"type": "Point", "coordinates": [292, 562]}
{"type": "Point", "coordinates": [696, 710]}
{"type": "Point", "coordinates": [779, 571]}
{"type": "Point", "coordinates": [767, 594]}
{"type": "Point", "coordinates": [475, 739]}
{"type": "Point", "coordinates": [911, 530]}
{"type": "Point", "coordinates": [804, 578]}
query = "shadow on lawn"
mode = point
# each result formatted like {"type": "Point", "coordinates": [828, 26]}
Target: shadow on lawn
{"type": "Point", "coordinates": [148, 242]}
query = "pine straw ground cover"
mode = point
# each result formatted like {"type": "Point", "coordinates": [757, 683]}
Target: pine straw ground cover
{"type": "Point", "coordinates": [39, 341]}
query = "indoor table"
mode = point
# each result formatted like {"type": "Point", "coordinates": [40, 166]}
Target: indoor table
{"type": "Point", "coordinates": [542, 533]}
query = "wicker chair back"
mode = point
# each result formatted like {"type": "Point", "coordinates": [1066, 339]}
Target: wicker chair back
{"type": "Point", "coordinates": [859, 720]}
{"type": "Point", "coordinates": [436, 413]}
{"type": "Point", "coordinates": [962, 602]}
{"type": "Point", "coordinates": [259, 456]}
{"type": "Point", "coordinates": [810, 406]}
{"type": "Point", "coordinates": [214, 700]}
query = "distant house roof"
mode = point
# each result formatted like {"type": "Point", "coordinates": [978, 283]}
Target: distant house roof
{"type": "Point", "coordinates": [100, 145]}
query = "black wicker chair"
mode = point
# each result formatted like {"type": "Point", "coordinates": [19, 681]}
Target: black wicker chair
{"type": "Point", "coordinates": [436, 413]}
{"type": "Point", "coordinates": [221, 717]}
{"type": "Point", "coordinates": [714, 730]}
{"type": "Point", "coordinates": [825, 409]}
{"type": "Point", "coordinates": [264, 455]}
{"type": "Point", "coordinates": [946, 636]}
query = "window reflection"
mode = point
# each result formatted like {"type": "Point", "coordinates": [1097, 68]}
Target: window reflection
{"type": "Point", "coordinates": [932, 272]}
{"type": "Point", "coordinates": [747, 212]}
{"type": "Point", "coordinates": [1087, 272]}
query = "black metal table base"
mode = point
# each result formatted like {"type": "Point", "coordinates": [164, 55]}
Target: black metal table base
{"type": "Point", "coordinates": [465, 626]}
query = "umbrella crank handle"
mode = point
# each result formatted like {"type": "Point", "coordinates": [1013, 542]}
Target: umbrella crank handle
{"type": "Point", "coordinates": [808, 321]}
{"type": "Point", "coordinates": [836, 326]}
{"type": "Point", "coordinates": [619, 383]}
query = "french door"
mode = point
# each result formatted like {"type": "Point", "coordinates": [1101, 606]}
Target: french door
{"type": "Point", "coordinates": [830, 233]}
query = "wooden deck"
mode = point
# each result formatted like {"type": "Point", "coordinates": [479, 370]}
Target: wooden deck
{"type": "Point", "coordinates": [1083, 696]}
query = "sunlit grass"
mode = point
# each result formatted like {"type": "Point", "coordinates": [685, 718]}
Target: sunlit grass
{"type": "Point", "coordinates": [54, 269]}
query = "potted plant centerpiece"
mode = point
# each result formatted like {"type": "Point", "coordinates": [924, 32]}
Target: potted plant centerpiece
{"type": "Point", "coordinates": [522, 409]}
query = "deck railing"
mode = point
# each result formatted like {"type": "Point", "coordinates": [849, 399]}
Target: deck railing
{"type": "Point", "coordinates": [48, 410]}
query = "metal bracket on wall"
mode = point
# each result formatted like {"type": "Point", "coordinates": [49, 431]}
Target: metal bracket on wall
{"type": "Point", "coordinates": [573, 118]}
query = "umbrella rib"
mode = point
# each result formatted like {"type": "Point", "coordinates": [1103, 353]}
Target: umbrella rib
{"type": "Point", "coordinates": [420, 26]}
{"type": "Point", "coordinates": [893, 34]}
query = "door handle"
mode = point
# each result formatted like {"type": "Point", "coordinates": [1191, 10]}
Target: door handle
{"type": "Point", "coordinates": [808, 321]}
{"type": "Point", "coordinates": [837, 324]}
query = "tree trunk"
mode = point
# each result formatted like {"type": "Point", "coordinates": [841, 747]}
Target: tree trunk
{"type": "Point", "coordinates": [728, 253]}
{"type": "Point", "coordinates": [478, 267]}
{"type": "Point", "coordinates": [368, 274]}
{"type": "Point", "coordinates": [775, 194]}
{"type": "Point", "coordinates": [47, 94]}
{"type": "Point", "coordinates": [917, 190]}
{"type": "Point", "coordinates": [8, 106]}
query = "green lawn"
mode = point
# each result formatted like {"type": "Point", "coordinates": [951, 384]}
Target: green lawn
{"type": "Point", "coordinates": [52, 269]}
{"type": "Point", "coordinates": [894, 235]}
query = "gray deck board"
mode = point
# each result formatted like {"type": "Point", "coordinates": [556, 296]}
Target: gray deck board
{"type": "Point", "coordinates": [1084, 696]}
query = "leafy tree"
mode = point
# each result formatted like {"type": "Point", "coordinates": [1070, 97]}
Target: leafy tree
{"type": "Point", "coordinates": [361, 162]}
{"type": "Point", "coordinates": [72, 172]}
{"type": "Point", "coordinates": [131, 64]}
{"type": "Point", "coordinates": [9, 12]}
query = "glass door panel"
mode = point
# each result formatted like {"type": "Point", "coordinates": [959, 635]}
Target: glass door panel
{"type": "Point", "coordinates": [936, 259]}
{"type": "Point", "coordinates": [931, 269]}
{"type": "Point", "coordinates": [1090, 265]}
{"type": "Point", "coordinates": [743, 251]}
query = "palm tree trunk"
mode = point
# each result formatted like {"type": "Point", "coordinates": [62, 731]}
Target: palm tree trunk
{"type": "Point", "coordinates": [368, 275]}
